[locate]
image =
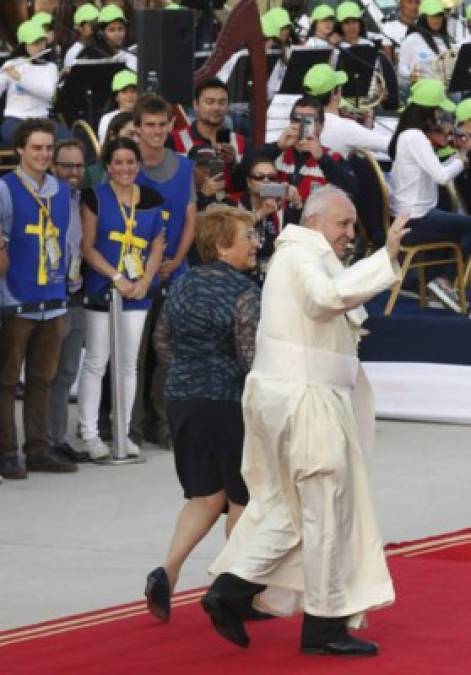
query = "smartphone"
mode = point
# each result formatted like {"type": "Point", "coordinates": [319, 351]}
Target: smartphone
{"type": "Point", "coordinates": [307, 127]}
{"type": "Point", "coordinates": [273, 190]}
{"type": "Point", "coordinates": [223, 136]}
{"type": "Point", "coordinates": [216, 166]}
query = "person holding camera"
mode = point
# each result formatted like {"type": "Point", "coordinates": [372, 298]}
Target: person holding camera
{"type": "Point", "coordinates": [303, 161]}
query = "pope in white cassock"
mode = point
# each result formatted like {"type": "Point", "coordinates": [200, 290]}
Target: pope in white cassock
{"type": "Point", "coordinates": [308, 540]}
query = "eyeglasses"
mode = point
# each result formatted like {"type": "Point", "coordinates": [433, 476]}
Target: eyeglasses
{"type": "Point", "coordinates": [70, 166]}
{"type": "Point", "coordinates": [271, 177]}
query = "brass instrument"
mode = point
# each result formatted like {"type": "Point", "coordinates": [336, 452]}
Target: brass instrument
{"type": "Point", "coordinates": [361, 108]}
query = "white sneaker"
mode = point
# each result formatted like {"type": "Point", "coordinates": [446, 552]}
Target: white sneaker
{"type": "Point", "coordinates": [96, 448]}
{"type": "Point", "coordinates": [132, 448]}
{"type": "Point", "coordinates": [448, 296]}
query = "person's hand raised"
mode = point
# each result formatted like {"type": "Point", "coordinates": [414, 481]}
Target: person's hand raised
{"type": "Point", "coordinates": [396, 233]}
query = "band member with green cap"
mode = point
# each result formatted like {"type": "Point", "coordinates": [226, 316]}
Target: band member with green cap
{"type": "Point", "coordinates": [29, 83]}
{"type": "Point", "coordinates": [110, 38]}
{"type": "Point", "coordinates": [351, 26]}
{"type": "Point", "coordinates": [416, 174]}
{"type": "Point", "coordinates": [321, 34]}
{"type": "Point", "coordinates": [424, 43]}
{"type": "Point", "coordinates": [85, 19]}
{"type": "Point", "coordinates": [339, 134]}
{"type": "Point", "coordinates": [124, 88]}
{"type": "Point", "coordinates": [277, 25]}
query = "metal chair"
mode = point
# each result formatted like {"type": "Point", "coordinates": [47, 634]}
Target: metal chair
{"type": "Point", "coordinates": [414, 256]}
{"type": "Point", "coordinates": [8, 161]}
{"type": "Point", "coordinates": [84, 132]}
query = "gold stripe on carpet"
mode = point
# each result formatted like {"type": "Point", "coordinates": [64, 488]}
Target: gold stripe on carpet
{"type": "Point", "coordinates": [66, 625]}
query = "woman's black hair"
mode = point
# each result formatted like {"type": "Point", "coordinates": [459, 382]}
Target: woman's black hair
{"type": "Point", "coordinates": [20, 50]}
{"type": "Point", "coordinates": [414, 117]}
{"type": "Point", "coordinates": [120, 143]}
{"type": "Point", "coordinates": [423, 29]}
{"type": "Point", "coordinates": [338, 27]}
{"type": "Point", "coordinates": [117, 123]}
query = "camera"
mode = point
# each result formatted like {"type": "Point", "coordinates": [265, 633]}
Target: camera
{"type": "Point", "coordinates": [273, 190]}
{"type": "Point", "coordinates": [307, 127]}
{"type": "Point", "coordinates": [216, 167]}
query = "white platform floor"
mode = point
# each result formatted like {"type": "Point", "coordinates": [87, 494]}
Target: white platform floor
{"type": "Point", "coordinates": [78, 542]}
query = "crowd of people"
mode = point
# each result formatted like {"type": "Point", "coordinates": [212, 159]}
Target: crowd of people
{"type": "Point", "coordinates": [188, 223]}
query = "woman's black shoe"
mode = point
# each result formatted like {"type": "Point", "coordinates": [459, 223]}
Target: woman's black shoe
{"type": "Point", "coordinates": [157, 592]}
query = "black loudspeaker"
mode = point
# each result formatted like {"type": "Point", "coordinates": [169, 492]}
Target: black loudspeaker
{"type": "Point", "coordinates": [165, 49]}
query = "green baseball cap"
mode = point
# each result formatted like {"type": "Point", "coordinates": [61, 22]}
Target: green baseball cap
{"type": "Point", "coordinates": [30, 31]}
{"type": "Point", "coordinates": [323, 12]}
{"type": "Point", "coordinates": [463, 111]}
{"type": "Point", "coordinates": [431, 7]}
{"type": "Point", "coordinates": [273, 21]}
{"type": "Point", "coordinates": [42, 18]}
{"type": "Point", "coordinates": [348, 10]}
{"type": "Point", "coordinates": [87, 12]}
{"type": "Point", "coordinates": [111, 13]}
{"type": "Point", "coordinates": [123, 79]}
{"type": "Point", "coordinates": [322, 78]}
{"type": "Point", "coordinates": [431, 94]}
{"type": "Point", "coordinates": [468, 12]}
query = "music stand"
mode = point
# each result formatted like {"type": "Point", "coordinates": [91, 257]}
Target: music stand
{"type": "Point", "coordinates": [461, 77]}
{"type": "Point", "coordinates": [298, 65]}
{"type": "Point", "coordinates": [87, 89]}
{"type": "Point", "coordinates": [240, 80]}
{"type": "Point", "coordinates": [359, 62]}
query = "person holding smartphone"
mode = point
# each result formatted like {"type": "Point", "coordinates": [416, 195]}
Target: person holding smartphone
{"type": "Point", "coordinates": [211, 105]}
{"type": "Point", "coordinates": [209, 178]}
{"type": "Point", "coordinates": [267, 198]}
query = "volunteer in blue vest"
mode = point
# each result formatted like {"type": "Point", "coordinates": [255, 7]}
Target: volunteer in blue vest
{"type": "Point", "coordinates": [122, 244]}
{"type": "Point", "coordinates": [34, 217]}
{"type": "Point", "coordinates": [172, 176]}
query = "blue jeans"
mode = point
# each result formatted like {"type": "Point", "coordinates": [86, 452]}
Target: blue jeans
{"type": "Point", "coordinates": [436, 226]}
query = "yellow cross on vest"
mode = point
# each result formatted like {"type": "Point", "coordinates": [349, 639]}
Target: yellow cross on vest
{"type": "Point", "coordinates": [43, 232]}
{"type": "Point", "coordinates": [127, 240]}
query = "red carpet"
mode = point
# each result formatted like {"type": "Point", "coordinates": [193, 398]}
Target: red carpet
{"type": "Point", "coordinates": [427, 631]}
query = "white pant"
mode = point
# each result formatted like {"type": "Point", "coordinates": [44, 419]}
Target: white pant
{"type": "Point", "coordinates": [97, 346]}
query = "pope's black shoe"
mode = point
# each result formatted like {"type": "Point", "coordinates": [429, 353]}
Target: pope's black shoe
{"type": "Point", "coordinates": [227, 602]}
{"type": "Point", "coordinates": [345, 646]}
{"type": "Point", "coordinates": [322, 635]}
{"type": "Point", "coordinates": [157, 592]}
{"type": "Point", "coordinates": [224, 619]}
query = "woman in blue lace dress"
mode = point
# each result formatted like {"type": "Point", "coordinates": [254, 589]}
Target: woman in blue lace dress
{"type": "Point", "coordinates": [206, 333]}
